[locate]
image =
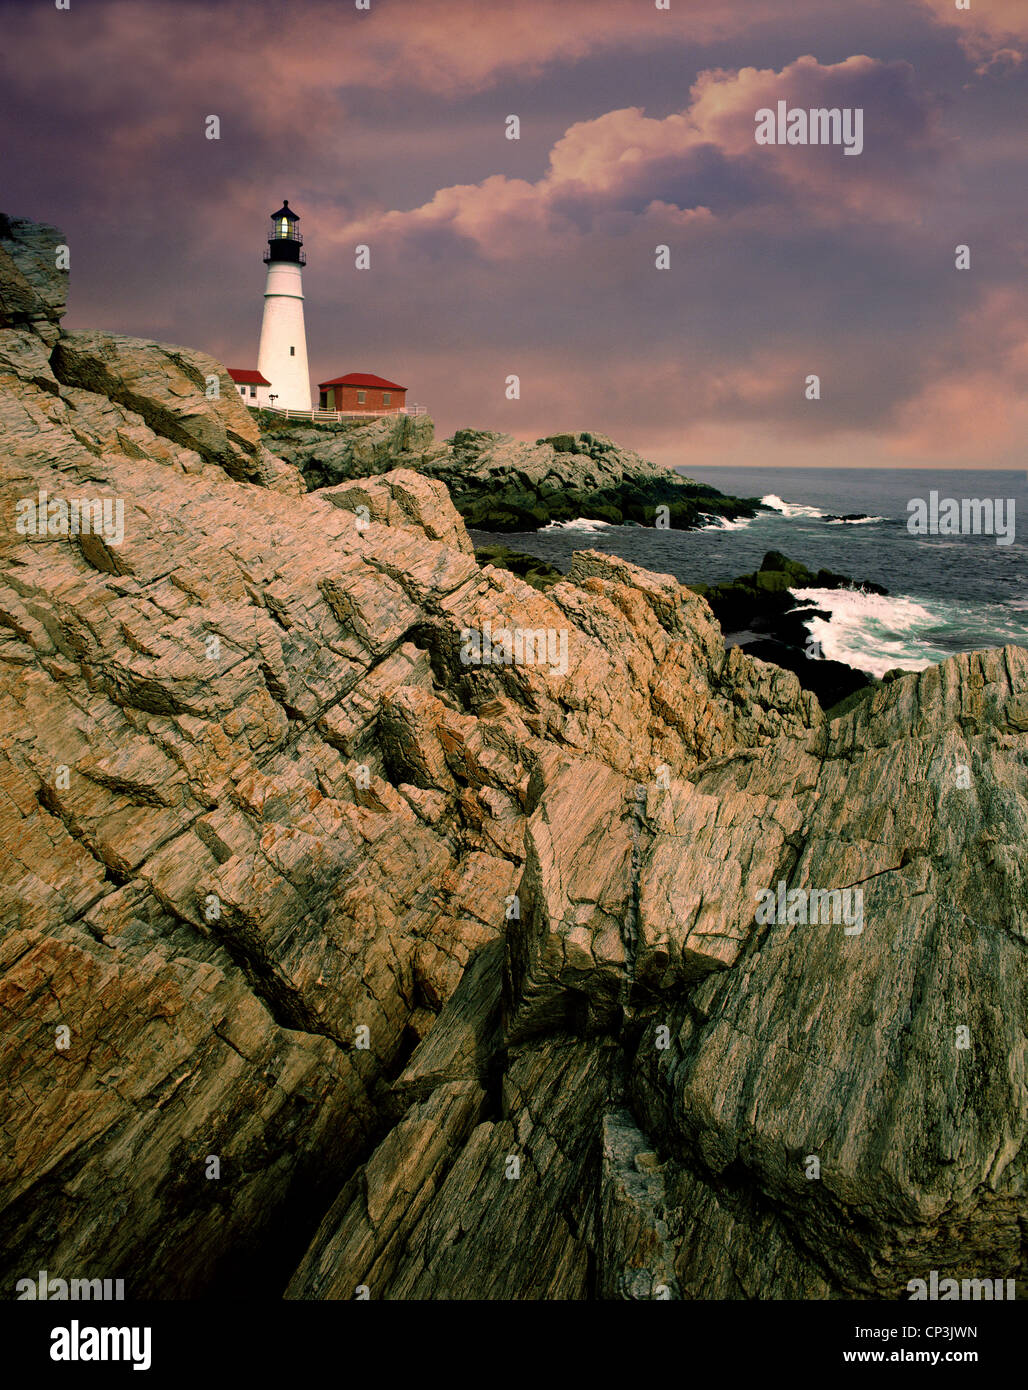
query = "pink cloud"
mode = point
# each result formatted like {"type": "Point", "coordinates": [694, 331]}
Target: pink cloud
{"type": "Point", "coordinates": [614, 162]}
{"type": "Point", "coordinates": [492, 258]}
{"type": "Point", "coordinates": [314, 49]}
{"type": "Point", "coordinates": [993, 32]}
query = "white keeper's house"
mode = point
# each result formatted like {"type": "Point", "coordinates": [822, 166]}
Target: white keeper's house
{"type": "Point", "coordinates": [251, 385]}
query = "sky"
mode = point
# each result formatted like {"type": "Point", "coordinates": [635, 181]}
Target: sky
{"type": "Point", "coordinates": [537, 257]}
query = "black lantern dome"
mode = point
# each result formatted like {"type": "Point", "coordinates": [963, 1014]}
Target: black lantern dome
{"type": "Point", "coordinates": [285, 241]}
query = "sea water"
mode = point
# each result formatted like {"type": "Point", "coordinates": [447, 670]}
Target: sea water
{"type": "Point", "coordinates": [947, 593]}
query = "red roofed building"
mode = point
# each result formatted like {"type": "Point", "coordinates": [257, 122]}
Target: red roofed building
{"type": "Point", "coordinates": [358, 391]}
{"type": "Point", "coordinates": [251, 385]}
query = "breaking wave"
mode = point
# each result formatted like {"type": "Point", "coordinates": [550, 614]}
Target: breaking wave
{"type": "Point", "coordinates": [724, 523]}
{"type": "Point", "coordinates": [580, 523]}
{"type": "Point", "coordinates": [776, 504]}
{"type": "Point", "coordinates": [877, 632]}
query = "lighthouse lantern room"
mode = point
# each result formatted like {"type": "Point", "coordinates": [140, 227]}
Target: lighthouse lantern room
{"type": "Point", "coordinates": [282, 354]}
{"type": "Point", "coordinates": [285, 241]}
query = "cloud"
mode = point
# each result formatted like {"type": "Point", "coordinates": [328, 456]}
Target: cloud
{"type": "Point", "coordinates": [443, 46]}
{"type": "Point", "coordinates": [973, 396]}
{"type": "Point", "coordinates": [994, 33]}
{"type": "Point", "coordinates": [679, 171]}
{"type": "Point", "coordinates": [537, 257]}
{"type": "Point", "coordinates": [786, 261]}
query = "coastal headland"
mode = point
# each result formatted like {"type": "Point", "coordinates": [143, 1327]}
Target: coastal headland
{"type": "Point", "coordinates": [336, 963]}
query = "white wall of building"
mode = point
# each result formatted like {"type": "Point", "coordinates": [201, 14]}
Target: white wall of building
{"type": "Point", "coordinates": [283, 329]}
{"type": "Point", "coordinates": [254, 395]}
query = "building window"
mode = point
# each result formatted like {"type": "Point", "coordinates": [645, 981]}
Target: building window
{"type": "Point", "coordinates": [386, 398]}
{"type": "Point", "coordinates": [362, 396]}
{"type": "Point", "coordinates": [253, 392]}
{"type": "Point", "coordinates": [292, 352]}
{"type": "Point", "coordinates": [285, 226]}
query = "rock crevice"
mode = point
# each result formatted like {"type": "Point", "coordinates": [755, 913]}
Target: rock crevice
{"type": "Point", "coordinates": [333, 959]}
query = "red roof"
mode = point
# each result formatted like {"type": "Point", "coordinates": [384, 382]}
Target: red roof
{"type": "Point", "coordinates": [244, 376]}
{"type": "Point", "coordinates": [362, 379]}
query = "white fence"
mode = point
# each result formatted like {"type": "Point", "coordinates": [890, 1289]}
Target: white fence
{"type": "Point", "coordinates": [326, 416]}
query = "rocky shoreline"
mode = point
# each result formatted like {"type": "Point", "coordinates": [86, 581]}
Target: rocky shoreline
{"type": "Point", "coordinates": [502, 484]}
{"type": "Point", "coordinates": [756, 612]}
{"type": "Point", "coordinates": [336, 965]}
{"type": "Point", "coordinates": [499, 484]}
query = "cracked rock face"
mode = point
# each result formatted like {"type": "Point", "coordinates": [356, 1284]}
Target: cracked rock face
{"type": "Point", "coordinates": [334, 961]}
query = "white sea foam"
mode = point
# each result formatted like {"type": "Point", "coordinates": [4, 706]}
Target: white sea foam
{"type": "Point", "coordinates": [776, 504]}
{"type": "Point", "coordinates": [580, 523]}
{"type": "Point", "coordinates": [874, 632]}
{"type": "Point", "coordinates": [857, 521]}
{"type": "Point", "coordinates": [724, 523]}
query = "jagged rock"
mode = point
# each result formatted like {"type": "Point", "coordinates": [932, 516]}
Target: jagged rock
{"type": "Point", "coordinates": [636, 1256]}
{"type": "Point", "coordinates": [464, 1043]}
{"type": "Point", "coordinates": [500, 483]}
{"type": "Point", "coordinates": [368, 1230]}
{"type": "Point", "coordinates": [32, 289]}
{"type": "Point", "coordinates": [400, 498]}
{"type": "Point", "coordinates": [329, 455]}
{"type": "Point", "coordinates": [788, 1046]}
{"type": "Point", "coordinates": [568, 953]}
{"type": "Point", "coordinates": [167, 387]}
{"type": "Point", "coordinates": [464, 1200]}
{"type": "Point", "coordinates": [170, 1062]}
{"type": "Point", "coordinates": [454, 963]}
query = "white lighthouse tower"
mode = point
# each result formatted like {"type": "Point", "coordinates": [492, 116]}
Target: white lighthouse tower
{"type": "Point", "coordinates": [282, 355]}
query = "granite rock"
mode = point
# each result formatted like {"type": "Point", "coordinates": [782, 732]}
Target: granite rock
{"type": "Point", "coordinates": [338, 953]}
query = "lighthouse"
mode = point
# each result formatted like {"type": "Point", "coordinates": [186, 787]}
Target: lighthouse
{"type": "Point", "coordinates": [282, 355]}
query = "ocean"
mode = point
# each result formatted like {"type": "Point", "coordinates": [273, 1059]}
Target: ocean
{"type": "Point", "coordinates": [947, 593]}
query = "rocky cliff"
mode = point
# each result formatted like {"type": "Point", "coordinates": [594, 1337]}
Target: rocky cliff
{"type": "Point", "coordinates": [499, 483]}
{"type": "Point", "coordinates": [335, 960]}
